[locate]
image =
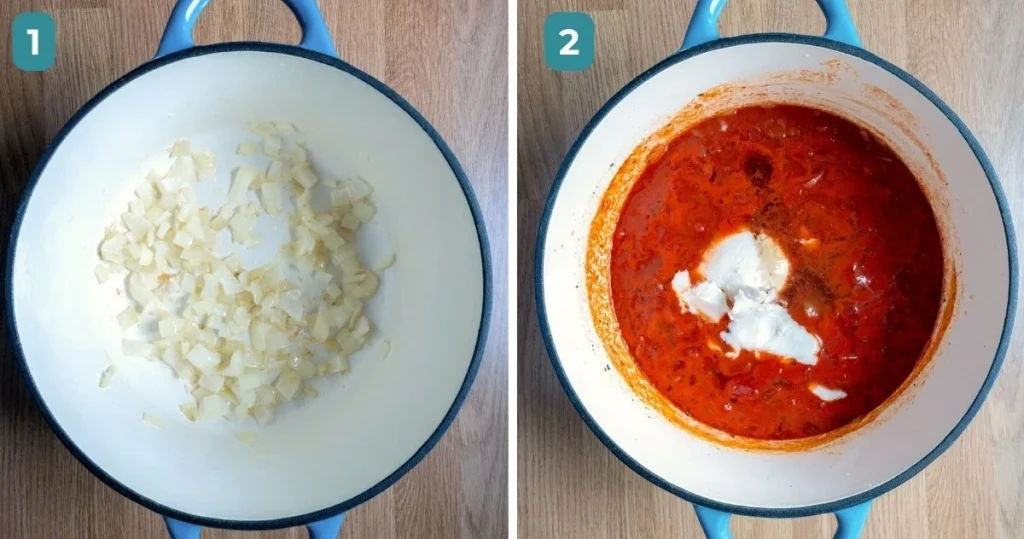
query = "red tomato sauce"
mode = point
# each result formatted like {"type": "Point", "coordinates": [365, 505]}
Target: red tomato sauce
{"type": "Point", "coordinates": [866, 267]}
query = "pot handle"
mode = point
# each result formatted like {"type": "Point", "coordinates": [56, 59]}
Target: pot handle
{"type": "Point", "coordinates": [704, 23]}
{"type": "Point", "coordinates": [851, 520]}
{"type": "Point", "coordinates": [327, 528]}
{"type": "Point", "coordinates": [178, 32]}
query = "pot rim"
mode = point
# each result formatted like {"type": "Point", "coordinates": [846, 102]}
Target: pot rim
{"type": "Point", "coordinates": [485, 256]}
{"type": "Point", "coordinates": [788, 512]}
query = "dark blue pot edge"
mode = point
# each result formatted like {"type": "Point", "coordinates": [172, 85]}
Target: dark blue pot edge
{"type": "Point", "coordinates": [1007, 323]}
{"type": "Point", "coordinates": [471, 372]}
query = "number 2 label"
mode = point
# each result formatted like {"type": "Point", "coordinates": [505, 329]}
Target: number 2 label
{"type": "Point", "coordinates": [568, 49]}
{"type": "Point", "coordinates": [569, 41]}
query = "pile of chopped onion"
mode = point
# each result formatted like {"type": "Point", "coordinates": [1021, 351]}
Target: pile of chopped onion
{"type": "Point", "coordinates": [244, 339]}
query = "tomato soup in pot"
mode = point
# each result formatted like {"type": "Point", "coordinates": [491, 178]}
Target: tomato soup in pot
{"type": "Point", "coordinates": [776, 272]}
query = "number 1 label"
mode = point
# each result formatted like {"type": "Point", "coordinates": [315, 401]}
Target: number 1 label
{"type": "Point", "coordinates": [569, 41]}
{"type": "Point", "coordinates": [33, 41]}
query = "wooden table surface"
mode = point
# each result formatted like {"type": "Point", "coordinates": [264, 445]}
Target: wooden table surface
{"type": "Point", "coordinates": [447, 57]}
{"type": "Point", "coordinates": [969, 52]}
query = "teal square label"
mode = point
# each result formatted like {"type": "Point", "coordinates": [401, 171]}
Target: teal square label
{"type": "Point", "coordinates": [569, 41]}
{"type": "Point", "coordinates": [33, 41]}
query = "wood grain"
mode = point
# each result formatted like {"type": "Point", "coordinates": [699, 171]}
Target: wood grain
{"type": "Point", "coordinates": [447, 57]}
{"type": "Point", "coordinates": [569, 485]}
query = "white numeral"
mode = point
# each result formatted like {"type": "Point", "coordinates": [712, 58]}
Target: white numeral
{"type": "Point", "coordinates": [35, 41]}
{"type": "Point", "coordinates": [568, 49]}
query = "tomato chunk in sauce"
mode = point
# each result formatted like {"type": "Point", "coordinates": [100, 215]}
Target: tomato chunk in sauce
{"type": "Point", "coordinates": [865, 255]}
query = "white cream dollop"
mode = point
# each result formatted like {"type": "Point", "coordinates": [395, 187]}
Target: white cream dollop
{"type": "Point", "coordinates": [744, 274]}
{"type": "Point", "coordinates": [767, 327]}
{"type": "Point", "coordinates": [826, 394]}
{"type": "Point", "coordinates": [704, 299]}
{"type": "Point", "coordinates": [745, 262]}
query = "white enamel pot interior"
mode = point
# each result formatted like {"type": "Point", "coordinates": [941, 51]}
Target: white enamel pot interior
{"type": "Point", "coordinates": [368, 427]}
{"type": "Point", "coordinates": [914, 430]}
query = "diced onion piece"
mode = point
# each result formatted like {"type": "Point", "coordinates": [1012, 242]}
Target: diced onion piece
{"type": "Point", "coordinates": [246, 397]}
{"type": "Point", "coordinates": [263, 414]}
{"type": "Point", "coordinates": [102, 273]}
{"type": "Point", "coordinates": [111, 250]}
{"type": "Point", "coordinates": [321, 327]}
{"type": "Point", "coordinates": [248, 149]}
{"type": "Point", "coordinates": [338, 364]}
{"type": "Point", "coordinates": [275, 172]}
{"type": "Point", "coordinates": [152, 420]}
{"type": "Point", "coordinates": [127, 318]}
{"type": "Point", "coordinates": [288, 384]}
{"type": "Point", "coordinates": [183, 239]}
{"type": "Point", "coordinates": [146, 192]}
{"type": "Point", "coordinates": [170, 327]}
{"type": "Point", "coordinates": [251, 380]}
{"type": "Point", "coordinates": [350, 221]}
{"type": "Point", "coordinates": [333, 291]}
{"type": "Point", "coordinates": [145, 256]}
{"type": "Point", "coordinates": [384, 263]}
{"type": "Point", "coordinates": [190, 411]}
{"type": "Point", "coordinates": [291, 303]}
{"type": "Point", "coordinates": [358, 189]}
{"type": "Point", "coordinates": [273, 196]}
{"type": "Point", "coordinates": [244, 177]}
{"type": "Point", "coordinates": [364, 211]}
{"type": "Point", "coordinates": [106, 376]}
{"type": "Point", "coordinates": [183, 170]}
{"type": "Point", "coordinates": [203, 358]}
{"type": "Point", "coordinates": [206, 163]}
{"type": "Point", "coordinates": [303, 176]}
{"type": "Point", "coordinates": [272, 146]}
{"type": "Point", "coordinates": [305, 368]}
{"type": "Point", "coordinates": [258, 335]}
{"type": "Point", "coordinates": [246, 437]}
{"type": "Point", "coordinates": [362, 327]}
{"type": "Point", "coordinates": [213, 407]}
{"type": "Point", "coordinates": [180, 148]}
{"type": "Point", "coordinates": [383, 349]}
{"type": "Point", "coordinates": [211, 382]}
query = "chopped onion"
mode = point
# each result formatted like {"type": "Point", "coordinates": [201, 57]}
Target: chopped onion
{"type": "Point", "coordinates": [213, 407]}
{"type": "Point", "coordinates": [152, 420]}
{"type": "Point", "coordinates": [272, 146]}
{"type": "Point", "coordinates": [288, 383]}
{"type": "Point", "coordinates": [211, 382]}
{"type": "Point", "coordinates": [364, 211]}
{"type": "Point", "coordinates": [190, 411]}
{"type": "Point", "coordinates": [106, 375]}
{"type": "Point", "coordinates": [205, 163]}
{"type": "Point", "coordinates": [272, 197]}
{"type": "Point", "coordinates": [303, 176]}
{"type": "Point", "coordinates": [248, 148]}
{"type": "Point", "coordinates": [243, 340]}
{"type": "Point", "coordinates": [384, 263]}
{"type": "Point", "coordinates": [244, 177]}
{"type": "Point", "coordinates": [181, 148]}
{"type": "Point", "coordinates": [170, 327]}
{"type": "Point", "coordinates": [102, 273]}
{"type": "Point", "coordinates": [246, 437]}
{"type": "Point", "coordinates": [203, 358]}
